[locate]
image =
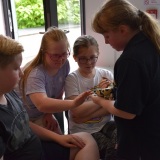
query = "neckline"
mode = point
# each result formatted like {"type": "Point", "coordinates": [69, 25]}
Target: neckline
{"type": "Point", "coordinates": [87, 78]}
{"type": "Point", "coordinates": [4, 100]}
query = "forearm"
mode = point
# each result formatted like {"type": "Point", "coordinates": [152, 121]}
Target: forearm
{"type": "Point", "coordinates": [85, 110]}
{"type": "Point", "coordinates": [99, 113]}
{"type": "Point", "coordinates": [50, 105]}
{"type": "Point", "coordinates": [109, 106]}
{"type": "Point", "coordinates": [43, 133]}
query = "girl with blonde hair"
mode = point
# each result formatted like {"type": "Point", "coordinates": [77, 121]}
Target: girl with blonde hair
{"type": "Point", "coordinates": [42, 85]}
{"type": "Point", "coordinates": [90, 117]}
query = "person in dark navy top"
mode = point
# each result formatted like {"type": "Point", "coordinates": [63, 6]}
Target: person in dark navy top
{"type": "Point", "coordinates": [21, 139]}
{"type": "Point", "coordinates": [137, 78]}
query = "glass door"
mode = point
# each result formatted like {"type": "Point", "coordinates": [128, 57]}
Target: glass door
{"type": "Point", "coordinates": [65, 14]}
{"type": "Point", "coordinates": [32, 17]}
{"type": "Point", "coordinates": [68, 12]}
{"type": "Point", "coordinates": [30, 23]}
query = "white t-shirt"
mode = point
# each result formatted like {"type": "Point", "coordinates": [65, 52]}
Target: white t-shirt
{"type": "Point", "coordinates": [75, 84]}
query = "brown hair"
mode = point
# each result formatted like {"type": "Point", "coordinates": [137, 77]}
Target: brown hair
{"type": "Point", "coordinates": [9, 48]}
{"type": "Point", "coordinates": [121, 12]}
{"type": "Point", "coordinates": [84, 41]}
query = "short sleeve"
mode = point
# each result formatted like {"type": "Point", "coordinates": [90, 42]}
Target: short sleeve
{"type": "Point", "coordinates": [108, 74]}
{"type": "Point", "coordinates": [35, 82]}
{"type": "Point", "coordinates": [71, 86]}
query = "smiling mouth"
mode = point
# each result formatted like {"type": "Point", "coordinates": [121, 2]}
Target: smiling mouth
{"type": "Point", "coordinates": [58, 63]}
{"type": "Point", "coordinates": [88, 67]}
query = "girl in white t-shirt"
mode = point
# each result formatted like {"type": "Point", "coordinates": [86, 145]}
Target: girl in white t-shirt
{"type": "Point", "coordinates": [90, 117]}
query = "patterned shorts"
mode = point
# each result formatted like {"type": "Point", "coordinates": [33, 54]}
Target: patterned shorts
{"type": "Point", "coordinates": [106, 139]}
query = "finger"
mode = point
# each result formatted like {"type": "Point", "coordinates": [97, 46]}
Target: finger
{"type": "Point", "coordinates": [70, 145]}
{"type": "Point", "coordinates": [48, 126]}
{"type": "Point", "coordinates": [45, 123]}
{"type": "Point", "coordinates": [78, 141]}
{"type": "Point", "coordinates": [104, 84]}
{"type": "Point", "coordinates": [105, 78]}
{"type": "Point", "coordinates": [92, 95]}
{"type": "Point", "coordinates": [85, 95]}
{"type": "Point", "coordinates": [52, 126]}
{"type": "Point", "coordinates": [88, 92]}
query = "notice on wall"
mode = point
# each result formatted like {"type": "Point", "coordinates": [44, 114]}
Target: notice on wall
{"type": "Point", "coordinates": [153, 12]}
{"type": "Point", "coordinates": [151, 2]}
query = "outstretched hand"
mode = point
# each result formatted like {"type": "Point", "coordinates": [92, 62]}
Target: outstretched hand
{"type": "Point", "coordinates": [81, 98]}
{"type": "Point", "coordinates": [71, 140]}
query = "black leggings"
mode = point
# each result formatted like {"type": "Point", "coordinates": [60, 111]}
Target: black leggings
{"type": "Point", "coordinates": [54, 151]}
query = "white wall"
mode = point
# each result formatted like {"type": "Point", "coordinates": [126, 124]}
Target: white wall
{"type": "Point", "coordinates": [2, 26]}
{"type": "Point", "coordinates": [108, 55]}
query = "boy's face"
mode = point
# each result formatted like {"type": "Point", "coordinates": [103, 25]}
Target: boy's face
{"type": "Point", "coordinates": [10, 75]}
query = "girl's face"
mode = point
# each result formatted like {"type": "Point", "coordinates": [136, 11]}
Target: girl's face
{"type": "Point", "coordinates": [10, 75]}
{"type": "Point", "coordinates": [86, 59]}
{"type": "Point", "coordinates": [56, 54]}
{"type": "Point", "coordinates": [118, 38]}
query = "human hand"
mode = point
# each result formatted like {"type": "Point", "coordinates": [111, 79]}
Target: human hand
{"type": "Point", "coordinates": [104, 83]}
{"type": "Point", "coordinates": [96, 99]}
{"type": "Point", "coordinates": [81, 98]}
{"type": "Point", "coordinates": [51, 123]}
{"type": "Point", "coordinates": [71, 140]}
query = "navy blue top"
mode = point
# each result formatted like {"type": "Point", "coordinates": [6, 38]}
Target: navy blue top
{"type": "Point", "coordinates": [17, 141]}
{"type": "Point", "coordinates": [137, 77]}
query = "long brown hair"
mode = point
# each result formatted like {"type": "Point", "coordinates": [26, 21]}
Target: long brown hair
{"type": "Point", "coordinates": [121, 12]}
{"type": "Point", "coordinates": [53, 34]}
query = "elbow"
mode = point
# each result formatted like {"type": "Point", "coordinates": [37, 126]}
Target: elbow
{"type": "Point", "coordinates": [74, 114]}
{"type": "Point", "coordinates": [123, 114]}
{"type": "Point", "coordinates": [41, 107]}
{"type": "Point", "coordinates": [130, 116]}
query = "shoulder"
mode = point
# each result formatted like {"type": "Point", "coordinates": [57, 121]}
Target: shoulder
{"type": "Point", "coordinates": [38, 71]}
{"type": "Point", "coordinates": [104, 73]}
{"type": "Point", "coordinates": [12, 94]}
{"type": "Point", "coordinates": [103, 70]}
{"type": "Point", "coordinates": [14, 98]}
{"type": "Point", "coordinates": [139, 48]}
{"type": "Point", "coordinates": [65, 68]}
{"type": "Point", "coordinates": [72, 75]}
{"type": "Point", "coordinates": [66, 64]}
